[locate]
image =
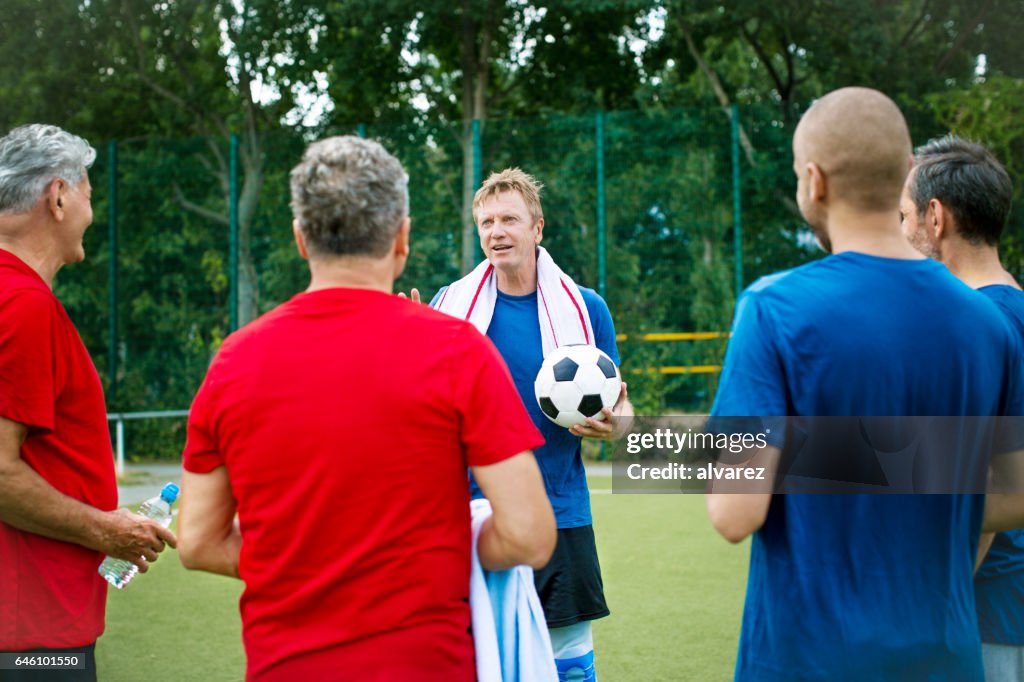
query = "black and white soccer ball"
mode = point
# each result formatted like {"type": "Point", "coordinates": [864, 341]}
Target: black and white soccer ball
{"type": "Point", "coordinates": [575, 382]}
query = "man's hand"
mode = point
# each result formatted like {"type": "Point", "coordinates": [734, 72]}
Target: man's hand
{"type": "Point", "coordinates": [30, 503]}
{"type": "Point", "coordinates": [133, 537]}
{"type": "Point", "coordinates": [414, 295]}
{"type": "Point", "coordinates": [616, 422]}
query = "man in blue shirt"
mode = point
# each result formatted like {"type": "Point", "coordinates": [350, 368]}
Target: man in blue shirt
{"type": "Point", "coordinates": [856, 587]}
{"type": "Point", "coordinates": [526, 305]}
{"type": "Point", "coordinates": [954, 207]}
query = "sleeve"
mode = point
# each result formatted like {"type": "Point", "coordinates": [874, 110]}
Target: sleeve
{"type": "Point", "coordinates": [1013, 403]}
{"type": "Point", "coordinates": [28, 355]}
{"type": "Point", "coordinates": [1009, 433]}
{"type": "Point", "coordinates": [437, 296]}
{"type": "Point", "coordinates": [752, 382]}
{"type": "Point", "coordinates": [495, 424]}
{"type": "Point", "coordinates": [604, 326]}
{"type": "Point", "coordinates": [201, 454]}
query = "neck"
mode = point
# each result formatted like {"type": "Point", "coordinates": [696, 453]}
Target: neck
{"type": "Point", "coordinates": [519, 282]}
{"type": "Point", "coordinates": [21, 235]}
{"type": "Point", "coordinates": [873, 233]}
{"type": "Point", "coordinates": [977, 266]}
{"type": "Point", "coordinates": [351, 272]}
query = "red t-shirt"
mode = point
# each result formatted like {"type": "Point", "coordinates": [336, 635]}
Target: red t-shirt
{"type": "Point", "coordinates": [346, 419]}
{"type": "Point", "coordinates": [50, 593]}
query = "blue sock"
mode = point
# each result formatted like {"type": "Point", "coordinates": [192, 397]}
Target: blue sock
{"type": "Point", "coordinates": [574, 652]}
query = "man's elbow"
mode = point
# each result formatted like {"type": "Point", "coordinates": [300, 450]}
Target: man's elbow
{"type": "Point", "coordinates": [543, 544]}
{"type": "Point", "coordinates": [193, 551]}
{"type": "Point", "coordinates": [534, 542]}
{"type": "Point", "coordinates": [188, 553]}
{"type": "Point", "coordinates": [733, 531]}
{"type": "Point", "coordinates": [735, 525]}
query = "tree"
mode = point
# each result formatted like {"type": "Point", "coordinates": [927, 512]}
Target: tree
{"type": "Point", "coordinates": [465, 61]}
{"type": "Point", "coordinates": [214, 68]}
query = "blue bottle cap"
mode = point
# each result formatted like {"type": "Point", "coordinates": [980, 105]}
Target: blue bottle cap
{"type": "Point", "coordinates": [170, 493]}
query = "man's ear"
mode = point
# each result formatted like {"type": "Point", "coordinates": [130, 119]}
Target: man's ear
{"type": "Point", "coordinates": [817, 183]}
{"type": "Point", "coordinates": [540, 230]}
{"type": "Point", "coordinates": [300, 241]}
{"type": "Point", "coordinates": [401, 245]}
{"type": "Point", "coordinates": [400, 248]}
{"type": "Point", "coordinates": [54, 198]}
{"type": "Point", "coordinates": [938, 219]}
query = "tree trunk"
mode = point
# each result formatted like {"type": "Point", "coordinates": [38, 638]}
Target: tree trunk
{"type": "Point", "coordinates": [716, 85]}
{"type": "Point", "coordinates": [248, 283]}
{"type": "Point", "coordinates": [469, 237]}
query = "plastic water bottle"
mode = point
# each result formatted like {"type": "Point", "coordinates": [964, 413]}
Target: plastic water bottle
{"type": "Point", "coordinates": [119, 572]}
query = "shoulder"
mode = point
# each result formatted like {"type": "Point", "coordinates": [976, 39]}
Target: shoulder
{"type": "Point", "coordinates": [438, 295]}
{"type": "Point", "coordinates": [1008, 298]}
{"type": "Point", "coordinates": [433, 329]}
{"type": "Point", "coordinates": [784, 280]}
{"type": "Point", "coordinates": [253, 330]}
{"type": "Point", "coordinates": [596, 305]}
{"type": "Point", "coordinates": [28, 302]}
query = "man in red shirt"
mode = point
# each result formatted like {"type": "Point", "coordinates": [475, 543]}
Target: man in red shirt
{"type": "Point", "coordinates": [57, 484]}
{"type": "Point", "coordinates": [339, 427]}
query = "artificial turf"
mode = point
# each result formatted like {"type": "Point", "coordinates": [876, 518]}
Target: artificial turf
{"type": "Point", "coordinates": [675, 590]}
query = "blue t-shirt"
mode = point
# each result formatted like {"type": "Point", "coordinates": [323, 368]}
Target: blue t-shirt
{"type": "Point", "coordinates": [515, 330]}
{"type": "Point", "coordinates": [999, 583]}
{"type": "Point", "coordinates": [865, 587]}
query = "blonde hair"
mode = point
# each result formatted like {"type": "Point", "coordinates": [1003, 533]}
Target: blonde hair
{"type": "Point", "coordinates": [512, 180]}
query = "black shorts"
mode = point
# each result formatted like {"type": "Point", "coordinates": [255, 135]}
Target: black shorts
{"type": "Point", "coordinates": [570, 586]}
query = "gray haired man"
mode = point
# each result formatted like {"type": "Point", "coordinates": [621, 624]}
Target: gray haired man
{"type": "Point", "coordinates": [955, 205]}
{"type": "Point", "coordinates": [58, 491]}
{"type": "Point", "coordinates": [338, 427]}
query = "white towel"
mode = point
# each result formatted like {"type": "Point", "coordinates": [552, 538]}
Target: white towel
{"type": "Point", "coordinates": [564, 318]}
{"type": "Point", "coordinates": [509, 630]}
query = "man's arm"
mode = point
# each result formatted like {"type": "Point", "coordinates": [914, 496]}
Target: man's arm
{"type": "Point", "coordinates": [1004, 506]}
{"type": "Point", "coordinates": [210, 536]}
{"type": "Point", "coordinates": [28, 502]}
{"type": "Point", "coordinates": [984, 544]}
{"type": "Point", "coordinates": [521, 529]}
{"type": "Point", "coordinates": [738, 508]}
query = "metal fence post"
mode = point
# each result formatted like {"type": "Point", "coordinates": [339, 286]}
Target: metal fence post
{"type": "Point", "coordinates": [737, 220]}
{"type": "Point", "coordinates": [112, 269]}
{"type": "Point", "coordinates": [478, 171]}
{"type": "Point", "coordinates": [119, 430]}
{"type": "Point", "coordinates": [233, 227]}
{"type": "Point", "coordinates": [602, 249]}
{"type": "Point", "coordinates": [361, 130]}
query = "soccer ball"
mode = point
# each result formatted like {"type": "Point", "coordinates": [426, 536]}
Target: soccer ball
{"type": "Point", "coordinates": [575, 382]}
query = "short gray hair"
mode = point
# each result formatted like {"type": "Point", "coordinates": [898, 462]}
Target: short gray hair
{"type": "Point", "coordinates": [32, 156]}
{"type": "Point", "coordinates": [969, 181]}
{"type": "Point", "coordinates": [349, 196]}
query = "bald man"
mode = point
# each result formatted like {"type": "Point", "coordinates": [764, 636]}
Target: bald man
{"type": "Point", "coordinates": [860, 587]}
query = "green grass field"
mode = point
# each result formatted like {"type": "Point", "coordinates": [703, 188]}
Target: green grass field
{"type": "Point", "coordinates": [675, 590]}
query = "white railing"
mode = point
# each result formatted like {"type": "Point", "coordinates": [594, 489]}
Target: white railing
{"type": "Point", "coordinates": [119, 418]}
